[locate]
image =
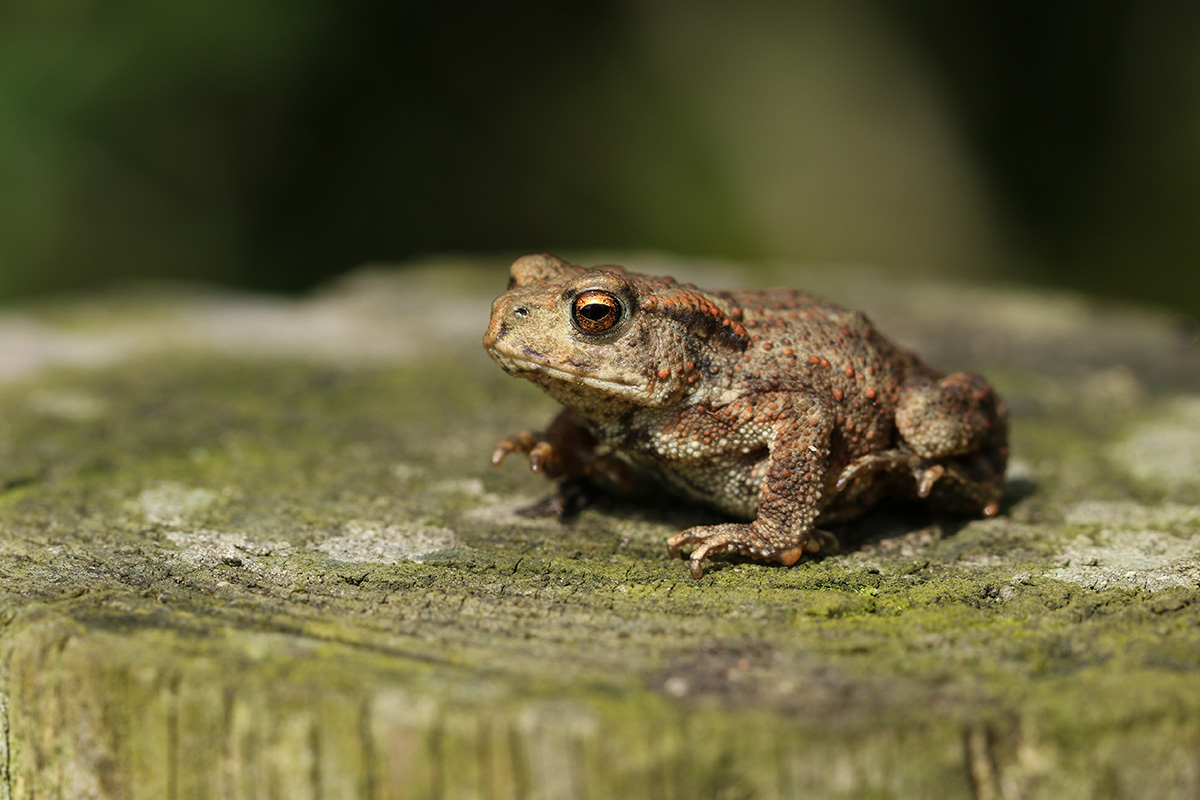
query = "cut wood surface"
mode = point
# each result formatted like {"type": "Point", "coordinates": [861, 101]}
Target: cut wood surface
{"type": "Point", "coordinates": [253, 547]}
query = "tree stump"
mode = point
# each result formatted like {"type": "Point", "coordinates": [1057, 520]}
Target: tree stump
{"type": "Point", "coordinates": [253, 547]}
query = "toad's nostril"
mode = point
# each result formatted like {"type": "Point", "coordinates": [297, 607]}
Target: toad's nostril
{"type": "Point", "coordinates": [520, 311]}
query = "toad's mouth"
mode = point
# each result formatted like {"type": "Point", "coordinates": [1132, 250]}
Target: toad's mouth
{"type": "Point", "coordinates": [530, 363]}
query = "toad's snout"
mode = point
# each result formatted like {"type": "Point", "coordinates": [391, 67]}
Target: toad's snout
{"type": "Point", "coordinates": [506, 311]}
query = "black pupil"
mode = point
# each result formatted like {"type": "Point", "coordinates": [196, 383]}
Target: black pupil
{"type": "Point", "coordinates": [596, 312]}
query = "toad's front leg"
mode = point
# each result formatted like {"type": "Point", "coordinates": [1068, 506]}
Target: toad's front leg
{"type": "Point", "coordinates": [798, 447]}
{"type": "Point", "coordinates": [565, 450]}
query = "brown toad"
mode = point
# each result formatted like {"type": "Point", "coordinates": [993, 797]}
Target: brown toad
{"type": "Point", "coordinates": [772, 406]}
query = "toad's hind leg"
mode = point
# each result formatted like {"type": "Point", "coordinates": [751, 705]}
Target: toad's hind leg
{"type": "Point", "coordinates": [957, 430]}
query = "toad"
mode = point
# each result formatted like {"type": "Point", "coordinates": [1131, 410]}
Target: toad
{"type": "Point", "coordinates": [779, 409]}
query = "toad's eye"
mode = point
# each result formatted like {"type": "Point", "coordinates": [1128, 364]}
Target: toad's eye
{"type": "Point", "coordinates": [595, 312]}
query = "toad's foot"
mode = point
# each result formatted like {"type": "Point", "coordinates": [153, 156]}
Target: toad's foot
{"type": "Point", "coordinates": [743, 539]}
{"type": "Point", "coordinates": [556, 459]}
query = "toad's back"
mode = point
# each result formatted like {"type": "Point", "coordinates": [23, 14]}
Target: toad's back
{"type": "Point", "coordinates": [800, 341]}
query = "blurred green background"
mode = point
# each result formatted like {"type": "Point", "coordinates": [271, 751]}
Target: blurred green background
{"type": "Point", "coordinates": [275, 143]}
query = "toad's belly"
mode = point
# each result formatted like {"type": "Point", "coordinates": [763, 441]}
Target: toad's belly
{"type": "Point", "coordinates": [731, 485]}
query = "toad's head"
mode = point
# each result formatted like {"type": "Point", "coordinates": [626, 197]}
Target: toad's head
{"type": "Point", "coordinates": [600, 340]}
